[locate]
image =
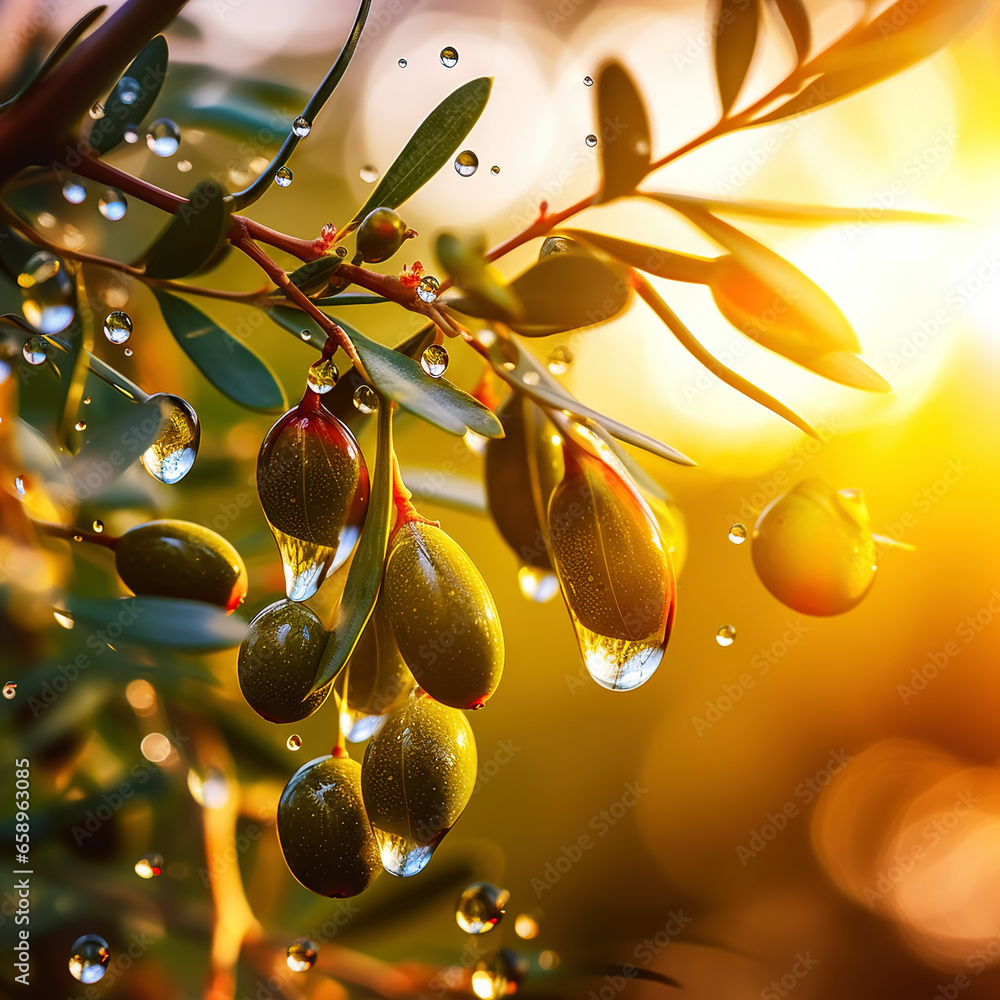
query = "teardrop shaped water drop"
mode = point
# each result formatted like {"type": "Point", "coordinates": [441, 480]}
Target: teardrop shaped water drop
{"type": "Point", "coordinates": [98, 526]}
{"type": "Point", "coordinates": [368, 173]}
{"type": "Point", "coordinates": [10, 690]}
{"type": "Point", "coordinates": [434, 360]}
{"type": "Point", "coordinates": [127, 90]}
{"type": "Point", "coordinates": [35, 350]}
{"type": "Point", "coordinates": [427, 289]}
{"type": "Point", "coordinates": [112, 205]}
{"type": "Point", "coordinates": [301, 127]}
{"type": "Point", "coordinates": [74, 191]}
{"type": "Point", "coordinates": [170, 457]}
{"type": "Point", "coordinates": [283, 177]}
{"type": "Point", "coordinates": [341, 251]}
{"type": "Point", "coordinates": [738, 534]}
{"type": "Point", "coordinates": [118, 327]}
{"type": "Point", "coordinates": [538, 585]}
{"type": "Point", "coordinates": [88, 958]}
{"type": "Point", "coordinates": [726, 635]}
{"type": "Point", "coordinates": [365, 399]}
{"type": "Point", "coordinates": [96, 110]}
{"type": "Point", "coordinates": [466, 163]}
{"type": "Point", "coordinates": [480, 907]}
{"type": "Point", "coordinates": [449, 57]}
{"type": "Point", "coordinates": [301, 955]}
{"type": "Point", "coordinates": [163, 137]}
{"type": "Point", "coordinates": [48, 296]}
{"type": "Point", "coordinates": [560, 360]}
{"type": "Point", "coordinates": [322, 376]}
{"type": "Point", "coordinates": [149, 866]}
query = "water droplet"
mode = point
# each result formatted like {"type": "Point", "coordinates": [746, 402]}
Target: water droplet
{"type": "Point", "coordinates": [170, 457]}
{"type": "Point", "coordinates": [128, 352]}
{"type": "Point", "coordinates": [365, 399]}
{"type": "Point", "coordinates": [305, 335]}
{"type": "Point", "coordinates": [726, 635]}
{"type": "Point", "coordinates": [88, 958]}
{"type": "Point", "coordinates": [118, 327]}
{"type": "Point", "coordinates": [149, 866]}
{"type": "Point", "coordinates": [560, 360]}
{"type": "Point", "coordinates": [294, 742]}
{"type": "Point", "coordinates": [480, 907]}
{"type": "Point", "coordinates": [322, 376]}
{"type": "Point", "coordinates": [538, 585]}
{"type": "Point", "coordinates": [9, 690]}
{"type": "Point", "coordinates": [163, 137]}
{"type": "Point", "coordinates": [184, 166]}
{"type": "Point", "coordinates": [301, 127]}
{"type": "Point", "coordinates": [35, 350]}
{"type": "Point", "coordinates": [526, 926]}
{"type": "Point", "coordinates": [401, 64]}
{"type": "Point", "coordinates": [341, 251]}
{"type": "Point", "coordinates": [127, 90]}
{"type": "Point", "coordinates": [427, 290]}
{"type": "Point", "coordinates": [531, 378]}
{"type": "Point", "coordinates": [434, 360]}
{"type": "Point", "coordinates": [86, 400]}
{"type": "Point", "coordinates": [131, 134]}
{"type": "Point", "coordinates": [74, 191]}
{"type": "Point", "coordinates": [449, 57]}
{"type": "Point", "coordinates": [63, 619]}
{"type": "Point", "coordinates": [21, 485]}
{"type": "Point", "coordinates": [81, 425]}
{"type": "Point", "coordinates": [588, 81]}
{"type": "Point", "coordinates": [210, 791]}
{"type": "Point", "coordinates": [591, 140]}
{"type": "Point", "coordinates": [78, 538]}
{"type": "Point", "coordinates": [357, 726]}
{"type": "Point", "coordinates": [498, 976]}
{"type": "Point", "coordinates": [97, 110]}
{"type": "Point", "coordinates": [283, 177]}
{"type": "Point", "coordinates": [98, 526]}
{"type": "Point", "coordinates": [301, 955]}
{"type": "Point", "coordinates": [466, 163]}
{"type": "Point", "coordinates": [738, 534]}
{"type": "Point", "coordinates": [112, 205]}
{"type": "Point", "coordinates": [369, 173]}
{"type": "Point", "coordinates": [476, 443]}
{"type": "Point", "coordinates": [494, 169]}
{"type": "Point", "coordinates": [48, 296]}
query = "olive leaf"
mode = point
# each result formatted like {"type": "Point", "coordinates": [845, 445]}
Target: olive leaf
{"type": "Point", "coordinates": [624, 125]}
{"type": "Point", "coordinates": [148, 70]}
{"type": "Point", "coordinates": [796, 19]}
{"type": "Point", "coordinates": [228, 364]}
{"type": "Point", "coordinates": [364, 578]}
{"type": "Point", "coordinates": [193, 234]}
{"type": "Point", "coordinates": [734, 23]}
{"type": "Point", "coordinates": [115, 379]}
{"type": "Point", "coordinates": [652, 260]}
{"type": "Point", "coordinates": [464, 260]}
{"type": "Point", "coordinates": [163, 621]}
{"type": "Point", "coordinates": [430, 147]}
{"type": "Point", "coordinates": [74, 373]}
{"type": "Point", "coordinates": [460, 492]}
{"type": "Point", "coordinates": [315, 275]}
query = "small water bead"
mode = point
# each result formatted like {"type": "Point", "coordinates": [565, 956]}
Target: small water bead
{"type": "Point", "coordinates": [163, 137]}
{"type": "Point", "coordinates": [35, 350]}
{"type": "Point", "coordinates": [322, 376]}
{"type": "Point", "coordinates": [526, 926]}
{"type": "Point", "coordinates": [588, 81]}
{"type": "Point", "coordinates": [98, 526]}
{"type": "Point", "coordinates": [480, 907]}
{"type": "Point", "coordinates": [341, 251]}
{"type": "Point", "coordinates": [726, 635]}
{"type": "Point", "coordinates": [294, 742]}
{"type": "Point", "coordinates": [738, 534]}
{"type": "Point", "coordinates": [434, 360]}
{"type": "Point", "coordinates": [88, 959]}
{"type": "Point", "coordinates": [170, 457]}
{"type": "Point", "coordinates": [449, 57]}
{"type": "Point", "coordinates": [184, 166]}
{"type": "Point", "coordinates": [494, 169]}
{"type": "Point", "coordinates": [466, 163]}
{"type": "Point", "coordinates": [131, 134]}
{"type": "Point", "coordinates": [128, 352]}
{"type": "Point", "coordinates": [368, 173]}
{"type": "Point", "coordinates": [127, 90]}
{"type": "Point", "coordinates": [283, 177]}
{"type": "Point", "coordinates": [401, 64]}
{"type": "Point", "coordinates": [427, 290]}
{"type": "Point", "coordinates": [81, 425]}
{"type": "Point", "coordinates": [112, 205]}
{"type": "Point", "coordinates": [301, 955]}
{"type": "Point", "coordinates": [74, 191]}
{"type": "Point", "coordinates": [118, 327]}
{"type": "Point", "coordinates": [305, 335]}
{"type": "Point", "coordinates": [20, 484]}
{"type": "Point", "coordinates": [591, 140]}
{"type": "Point", "coordinates": [301, 127]}
{"type": "Point", "coordinates": [537, 585]}
{"type": "Point", "coordinates": [476, 443]}
{"type": "Point", "coordinates": [9, 690]}
{"type": "Point", "coordinates": [48, 294]}
{"type": "Point", "coordinates": [531, 378]}
{"type": "Point", "coordinates": [149, 866]}
{"type": "Point", "coordinates": [365, 400]}
{"type": "Point", "coordinates": [97, 110]}
{"type": "Point", "coordinates": [560, 360]}
{"type": "Point", "coordinates": [86, 400]}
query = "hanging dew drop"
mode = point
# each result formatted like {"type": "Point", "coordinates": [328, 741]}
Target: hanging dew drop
{"type": "Point", "coordinates": [35, 350]}
{"type": "Point", "coordinates": [494, 169]}
{"type": "Point", "coordinates": [301, 127]}
{"type": "Point", "coordinates": [98, 526]}
{"type": "Point", "coordinates": [74, 191]}
{"type": "Point", "coordinates": [127, 90]}
{"type": "Point", "coordinates": [88, 959]}
{"type": "Point", "coordinates": [449, 57]}
{"type": "Point", "coordinates": [170, 457]}
{"type": "Point", "coordinates": [97, 110]}
{"type": "Point", "coordinates": [560, 360]}
{"type": "Point", "coordinates": [341, 251]}
{"type": "Point", "coordinates": [466, 163]}
{"type": "Point", "coordinates": [149, 866]}
{"type": "Point", "coordinates": [434, 360]}
{"type": "Point", "coordinates": [365, 400]}
{"type": "Point", "coordinates": [86, 400]}
{"type": "Point", "coordinates": [112, 205]}
{"type": "Point", "coordinates": [368, 173]}
{"type": "Point", "coordinates": [537, 585]}
{"type": "Point", "coordinates": [726, 635]}
{"type": "Point", "coordinates": [128, 352]}
{"type": "Point", "coordinates": [294, 742]}
{"type": "Point", "coordinates": [306, 335]}
{"type": "Point", "coordinates": [81, 425]}
{"type": "Point", "coordinates": [401, 63]}
{"type": "Point", "coordinates": [10, 690]}
{"type": "Point", "coordinates": [163, 137]}
{"type": "Point", "coordinates": [531, 378]}
{"type": "Point", "coordinates": [118, 327]}
{"type": "Point", "coordinates": [47, 295]}
{"type": "Point", "coordinates": [20, 485]}
{"type": "Point", "coordinates": [738, 534]}
{"type": "Point", "coordinates": [480, 907]}
{"type": "Point", "coordinates": [588, 81]}
{"type": "Point", "coordinates": [476, 443]}
{"type": "Point", "coordinates": [283, 177]}
{"type": "Point", "coordinates": [301, 955]}
{"type": "Point", "coordinates": [322, 376]}
{"type": "Point", "coordinates": [591, 140]}
{"type": "Point", "coordinates": [427, 290]}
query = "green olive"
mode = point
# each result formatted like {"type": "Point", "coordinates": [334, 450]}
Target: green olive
{"type": "Point", "coordinates": [278, 662]}
{"type": "Point", "coordinates": [377, 678]}
{"type": "Point", "coordinates": [323, 830]}
{"type": "Point", "coordinates": [417, 777]}
{"type": "Point", "coordinates": [442, 617]}
{"type": "Point", "coordinates": [380, 235]}
{"type": "Point", "coordinates": [181, 559]}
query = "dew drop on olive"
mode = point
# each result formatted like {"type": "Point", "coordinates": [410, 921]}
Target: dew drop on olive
{"type": "Point", "coordinates": [380, 235]}
{"type": "Point", "coordinates": [417, 776]}
{"type": "Point", "coordinates": [442, 617]}
{"type": "Point", "coordinates": [278, 662]}
{"type": "Point", "coordinates": [323, 831]}
{"type": "Point", "coordinates": [179, 559]}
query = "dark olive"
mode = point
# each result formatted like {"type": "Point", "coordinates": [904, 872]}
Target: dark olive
{"type": "Point", "coordinates": [380, 235]}
{"type": "Point", "coordinates": [278, 662]}
{"type": "Point", "coordinates": [377, 678]}
{"type": "Point", "coordinates": [181, 559]}
{"type": "Point", "coordinates": [323, 830]}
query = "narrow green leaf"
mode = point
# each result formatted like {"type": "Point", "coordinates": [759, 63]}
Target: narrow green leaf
{"type": "Point", "coordinates": [652, 260]}
{"type": "Point", "coordinates": [148, 69]}
{"type": "Point", "coordinates": [315, 275]}
{"type": "Point", "coordinates": [624, 127]}
{"type": "Point", "coordinates": [162, 621]}
{"type": "Point", "coordinates": [460, 492]}
{"type": "Point", "coordinates": [796, 19]}
{"type": "Point", "coordinates": [735, 26]}
{"type": "Point", "coordinates": [74, 371]}
{"type": "Point", "coordinates": [193, 234]}
{"type": "Point", "coordinates": [364, 578]}
{"type": "Point", "coordinates": [115, 379]}
{"type": "Point", "coordinates": [430, 147]}
{"type": "Point", "coordinates": [464, 260]}
{"type": "Point", "coordinates": [228, 364]}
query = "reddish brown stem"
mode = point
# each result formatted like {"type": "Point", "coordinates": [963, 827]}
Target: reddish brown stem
{"type": "Point", "coordinates": [71, 534]}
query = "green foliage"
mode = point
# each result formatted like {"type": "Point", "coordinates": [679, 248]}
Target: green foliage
{"type": "Point", "coordinates": [193, 236]}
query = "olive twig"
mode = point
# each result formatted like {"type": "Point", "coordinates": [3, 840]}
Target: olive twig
{"type": "Point", "coordinates": [71, 534]}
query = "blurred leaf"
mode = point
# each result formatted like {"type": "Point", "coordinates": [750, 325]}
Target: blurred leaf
{"type": "Point", "coordinates": [652, 260]}
{"type": "Point", "coordinates": [796, 19]}
{"type": "Point", "coordinates": [193, 234]}
{"type": "Point", "coordinates": [430, 147]}
{"type": "Point", "coordinates": [115, 379]}
{"type": "Point", "coordinates": [148, 69]}
{"type": "Point", "coordinates": [432, 485]}
{"type": "Point", "coordinates": [229, 365]}
{"type": "Point", "coordinates": [315, 275]}
{"type": "Point", "coordinates": [625, 153]}
{"type": "Point", "coordinates": [364, 578]}
{"type": "Point", "coordinates": [734, 23]}
{"type": "Point", "coordinates": [75, 368]}
{"type": "Point", "coordinates": [464, 260]}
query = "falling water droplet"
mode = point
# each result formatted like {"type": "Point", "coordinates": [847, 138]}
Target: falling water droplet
{"type": "Point", "coordinates": [538, 585]}
{"type": "Point", "coordinates": [127, 90]}
{"type": "Point", "coordinates": [365, 400]}
{"type": "Point", "coordinates": [294, 742]}
{"type": "Point", "coordinates": [131, 134]}
{"type": "Point", "coordinates": [210, 791]}
{"type": "Point", "coordinates": [88, 958]}
{"type": "Point", "coordinates": [170, 457]}
{"type": "Point", "coordinates": [163, 137]}
{"type": "Point", "coordinates": [427, 290]}
{"type": "Point", "coordinates": [98, 526]}
{"type": "Point", "coordinates": [738, 534]}
{"type": "Point", "coordinates": [588, 81]}
{"type": "Point", "coordinates": [74, 191]}
{"type": "Point", "coordinates": [434, 360]}
{"type": "Point", "coordinates": [301, 127]}
{"type": "Point", "coordinates": [466, 163]}
{"type": "Point", "coordinates": [449, 57]}
{"type": "Point", "coordinates": [591, 140]}
{"type": "Point", "coordinates": [97, 110]}
{"type": "Point", "coordinates": [494, 169]}
{"type": "Point", "coordinates": [476, 443]}
{"type": "Point", "coordinates": [283, 177]}
{"type": "Point", "coordinates": [526, 926]}
{"type": "Point", "coordinates": [401, 63]}
{"type": "Point", "coordinates": [726, 635]}
{"type": "Point", "coordinates": [35, 350]}
{"type": "Point", "coordinates": [9, 690]}
{"type": "Point", "coordinates": [149, 866]}
{"type": "Point", "coordinates": [47, 294]}
{"type": "Point", "coordinates": [368, 173]}
{"type": "Point", "coordinates": [301, 955]}
{"type": "Point", "coordinates": [112, 205]}
{"type": "Point", "coordinates": [322, 376]}
{"type": "Point", "coordinates": [560, 360]}
{"type": "Point", "coordinates": [81, 425]}
{"type": "Point", "coordinates": [118, 327]}
{"type": "Point", "coordinates": [480, 907]}
{"type": "Point", "coordinates": [20, 484]}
